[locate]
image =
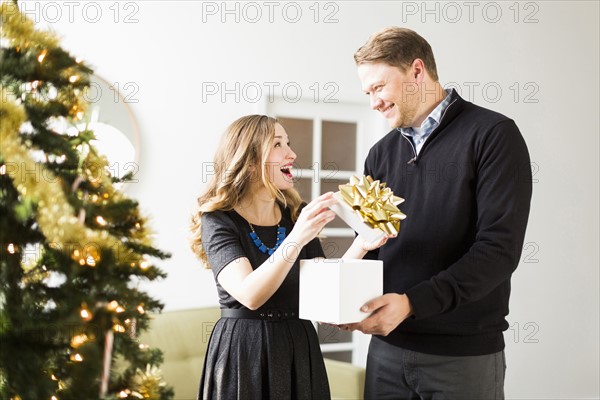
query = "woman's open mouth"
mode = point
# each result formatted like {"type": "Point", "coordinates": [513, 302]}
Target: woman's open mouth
{"type": "Point", "coordinates": [287, 171]}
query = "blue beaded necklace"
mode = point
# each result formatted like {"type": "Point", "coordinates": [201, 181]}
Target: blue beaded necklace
{"type": "Point", "coordinates": [259, 243]}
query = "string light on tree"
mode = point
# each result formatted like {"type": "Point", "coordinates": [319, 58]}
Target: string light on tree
{"type": "Point", "coordinates": [90, 261]}
{"type": "Point", "coordinates": [79, 340]}
{"type": "Point", "coordinates": [42, 56]}
{"type": "Point", "coordinates": [86, 315]}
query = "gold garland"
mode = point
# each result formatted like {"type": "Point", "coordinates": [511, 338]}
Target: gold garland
{"type": "Point", "coordinates": [56, 217]}
{"type": "Point", "coordinates": [20, 30]}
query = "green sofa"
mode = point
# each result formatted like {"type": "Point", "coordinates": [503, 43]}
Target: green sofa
{"type": "Point", "coordinates": [183, 337]}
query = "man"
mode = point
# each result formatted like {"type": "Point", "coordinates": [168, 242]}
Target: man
{"type": "Point", "coordinates": [465, 174]}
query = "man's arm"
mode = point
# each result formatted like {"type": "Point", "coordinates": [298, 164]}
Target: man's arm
{"type": "Point", "coordinates": [503, 195]}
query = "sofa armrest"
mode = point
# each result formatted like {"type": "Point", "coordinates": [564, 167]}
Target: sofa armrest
{"type": "Point", "coordinates": [183, 337]}
{"type": "Point", "coordinates": [346, 380]}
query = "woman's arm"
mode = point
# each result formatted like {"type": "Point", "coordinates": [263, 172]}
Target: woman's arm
{"type": "Point", "coordinates": [253, 288]}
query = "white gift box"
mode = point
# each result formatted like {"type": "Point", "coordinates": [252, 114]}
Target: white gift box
{"type": "Point", "coordinates": [333, 290]}
{"type": "Point", "coordinates": [347, 214]}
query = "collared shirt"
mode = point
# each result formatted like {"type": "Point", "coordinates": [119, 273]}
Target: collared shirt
{"type": "Point", "coordinates": [420, 134]}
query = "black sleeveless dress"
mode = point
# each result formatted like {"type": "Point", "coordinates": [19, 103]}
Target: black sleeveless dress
{"type": "Point", "coordinates": [254, 358]}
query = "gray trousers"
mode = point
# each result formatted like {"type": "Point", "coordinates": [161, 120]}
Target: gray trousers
{"type": "Point", "coordinates": [396, 373]}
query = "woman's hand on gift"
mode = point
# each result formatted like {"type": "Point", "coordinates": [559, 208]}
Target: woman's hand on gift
{"type": "Point", "coordinates": [313, 217]}
{"type": "Point", "coordinates": [360, 246]}
{"type": "Point", "coordinates": [375, 244]}
{"type": "Point", "coordinates": [387, 312]}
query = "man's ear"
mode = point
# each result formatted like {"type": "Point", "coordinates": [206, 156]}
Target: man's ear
{"type": "Point", "coordinates": [418, 70]}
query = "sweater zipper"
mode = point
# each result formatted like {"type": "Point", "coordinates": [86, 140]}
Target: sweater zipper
{"type": "Point", "coordinates": [415, 155]}
{"type": "Point", "coordinates": [412, 146]}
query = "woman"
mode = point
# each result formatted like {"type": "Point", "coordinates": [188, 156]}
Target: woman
{"type": "Point", "coordinates": [252, 230]}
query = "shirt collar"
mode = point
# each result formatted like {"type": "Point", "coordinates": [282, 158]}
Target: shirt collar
{"type": "Point", "coordinates": [432, 120]}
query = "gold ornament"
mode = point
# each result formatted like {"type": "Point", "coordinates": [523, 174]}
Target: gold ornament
{"type": "Point", "coordinates": [149, 383]}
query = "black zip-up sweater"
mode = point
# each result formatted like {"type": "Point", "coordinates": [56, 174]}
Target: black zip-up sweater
{"type": "Point", "coordinates": [467, 203]}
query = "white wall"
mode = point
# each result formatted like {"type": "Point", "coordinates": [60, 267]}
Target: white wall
{"type": "Point", "coordinates": [170, 52]}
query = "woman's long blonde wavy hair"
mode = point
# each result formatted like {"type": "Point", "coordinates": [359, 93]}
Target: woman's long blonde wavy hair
{"type": "Point", "coordinates": [240, 160]}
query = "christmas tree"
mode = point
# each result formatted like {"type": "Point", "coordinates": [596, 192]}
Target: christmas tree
{"type": "Point", "coordinates": [73, 248]}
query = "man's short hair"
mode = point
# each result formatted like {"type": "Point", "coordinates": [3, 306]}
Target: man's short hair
{"type": "Point", "coordinates": [397, 47]}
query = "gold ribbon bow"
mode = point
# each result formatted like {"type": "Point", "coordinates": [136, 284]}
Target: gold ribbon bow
{"type": "Point", "coordinates": [374, 203]}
